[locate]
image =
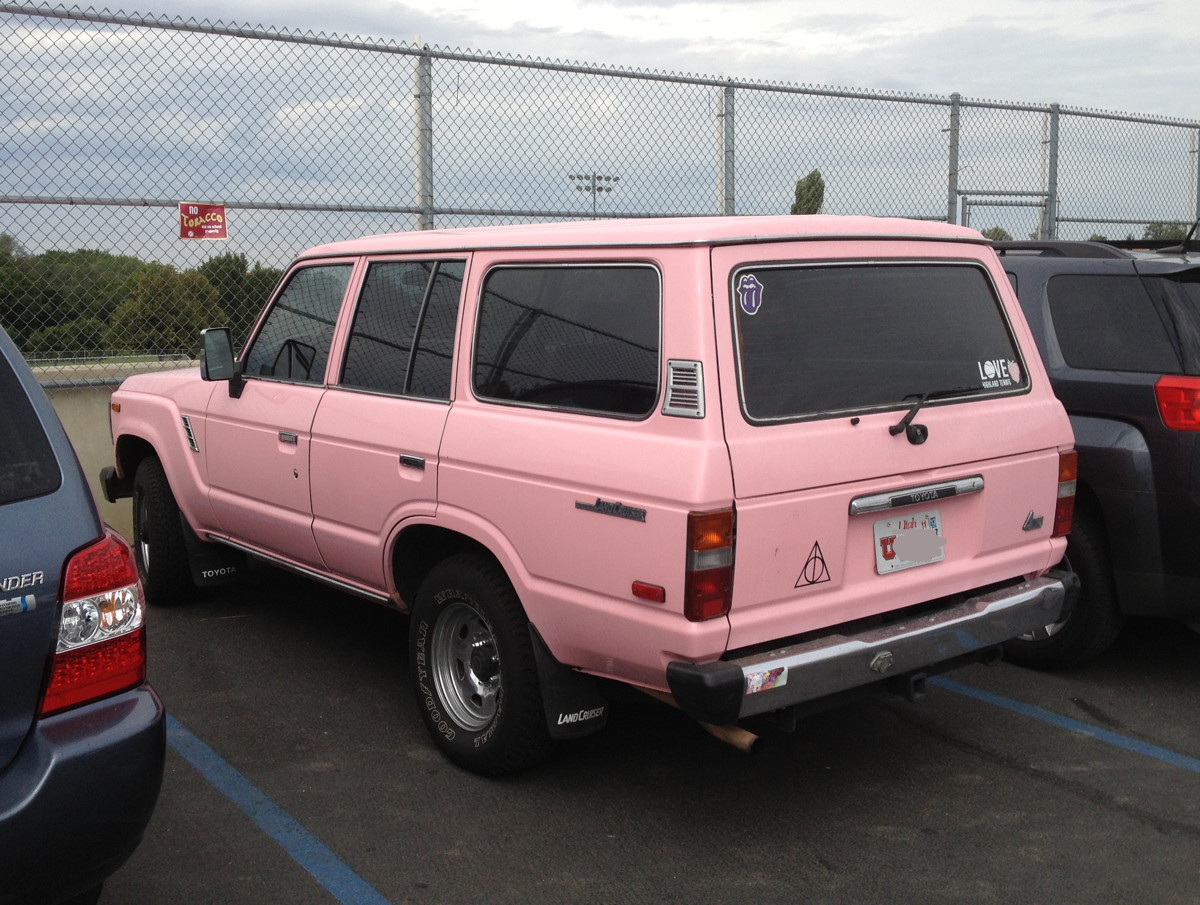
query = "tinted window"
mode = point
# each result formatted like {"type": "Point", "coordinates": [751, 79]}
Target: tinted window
{"type": "Point", "coordinates": [27, 464]}
{"type": "Point", "coordinates": [830, 338]}
{"type": "Point", "coordinates": [582, 338]}
{"type": "Point", "coordinates": [1109, 323]}
{"type": "Point", "coordinates": [400, 301]}
{"type": "Point", "coordinates": [293, 343]}
{"type": "Point", "coordinates": [1182, 297]}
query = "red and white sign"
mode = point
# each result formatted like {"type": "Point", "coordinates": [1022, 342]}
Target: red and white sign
{"type": "Point", "coordinates": [202, 221]}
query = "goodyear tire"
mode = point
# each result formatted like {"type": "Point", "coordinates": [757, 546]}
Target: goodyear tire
{"type": "Point", "coordinates": [1093, 625]}
{"type": "Point", "coordinates": [473, 671]}
{"type": "Point", "coordinates": [159, 548]}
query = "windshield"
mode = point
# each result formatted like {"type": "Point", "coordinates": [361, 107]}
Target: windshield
{"type": "Point", "coordinates": [825, 339]}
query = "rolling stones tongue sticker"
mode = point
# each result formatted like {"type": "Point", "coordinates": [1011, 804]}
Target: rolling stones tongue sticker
{"type": "Point", "coordinates": [749, 293]}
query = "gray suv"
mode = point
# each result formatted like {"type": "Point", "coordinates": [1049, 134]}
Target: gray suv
{"type": "Point", "coordinates": [82, 736]}
{"type": "Point", "coordinates": [1119, 332]}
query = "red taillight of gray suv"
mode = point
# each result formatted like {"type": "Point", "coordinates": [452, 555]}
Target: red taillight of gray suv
{"type": "Point", "coordinates": [101, 646]}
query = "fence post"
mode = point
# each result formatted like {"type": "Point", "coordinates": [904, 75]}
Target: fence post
{"type": "Point", "coordinates": [1196, 175]}
{"type": "Point", "coordinates": [423, 93]}
{"type": "Point", "coordinates": [1049, 229]}
{"type": "Point", "coordinates": [952, 181]}
{"type": "Point", "coordinates": [726, 202]}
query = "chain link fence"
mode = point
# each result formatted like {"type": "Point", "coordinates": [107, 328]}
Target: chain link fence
{"type": "Point", "coordinates": [112, 121]}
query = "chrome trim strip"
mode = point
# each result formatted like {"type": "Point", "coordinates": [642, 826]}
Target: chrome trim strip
{"type": "Point", "coordinates": [301, 570]}
{"type": "Point", "coordinates": [915, 496]}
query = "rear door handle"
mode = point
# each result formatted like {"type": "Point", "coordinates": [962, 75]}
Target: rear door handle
{"type": "Point", "coordinates": [408, 461]}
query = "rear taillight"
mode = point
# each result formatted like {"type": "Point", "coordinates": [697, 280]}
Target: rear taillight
{"type": "Point", "coordinates": [101, 640]}
{"type": "Point", "coordinates": [1179, 402]}
{"type": "Point", "coordinates": [708, 586]}
{"type": "Point", "coordinates": [1064, 509]}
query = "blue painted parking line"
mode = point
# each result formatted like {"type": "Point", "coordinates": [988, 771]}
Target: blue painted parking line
{"type": "Point", "coordinates": [1107, 736]}
{"type": "Point", "coordinates": [306, 849]}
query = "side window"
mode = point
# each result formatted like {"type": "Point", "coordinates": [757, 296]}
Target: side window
{"type": "Point", "coordinates": [293, 343]}
{"type": "Point", "coordinates": [1109, 323]}
{"type": "Point", "coordinates": [402, 341]}
{"type": "Point", "coordinates": [28, 467]}
{"type": "Point", "coordinates": [575, 337]}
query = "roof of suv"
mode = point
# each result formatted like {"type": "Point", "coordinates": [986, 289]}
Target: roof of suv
{"type": "Point", "coordinates": [1160, 258]}
{"type": "Point", "coordinates": [658, 231]}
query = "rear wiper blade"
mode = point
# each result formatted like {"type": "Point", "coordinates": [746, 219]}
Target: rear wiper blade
{"type": "Point", "coordinates": [918, 433]}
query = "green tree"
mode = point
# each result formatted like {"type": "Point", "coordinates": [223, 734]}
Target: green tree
{"type": "Point", "coordinates": [810, 194]}
{"type": "Point", "coordinates": [997, 234]}
{"type": "Point", "coordinates": [165, 313]}
{"type": "Point", "coordinates": [83, 338]}
{"type": "Point", "coordinates": [10, 247]}
{"type": "Point", "coordinates": [1159, 232]}
{"type": "Point", "coordinates": [242, 292]}
{"type": "Point", "coordinates": [52, 289]}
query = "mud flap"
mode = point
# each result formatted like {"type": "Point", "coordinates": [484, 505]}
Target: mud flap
{"type": "Point", "coordinates": [573, 703]}
{"type": "Point", "coordinates": [211, 564]}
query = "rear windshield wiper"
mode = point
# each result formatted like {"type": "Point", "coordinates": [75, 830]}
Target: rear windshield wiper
{"type": "Point", "coordinates": [919, 433]}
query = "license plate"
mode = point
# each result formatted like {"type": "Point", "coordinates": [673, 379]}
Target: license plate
{"type": "Point", "coordinates": [909, 540]}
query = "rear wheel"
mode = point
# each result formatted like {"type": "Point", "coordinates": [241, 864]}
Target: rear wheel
{"type": "Point", "coordinates": [473, 671]}
{"type": "Point", "coordinates": [159, 548]}
{"type": "Point", "coordinates": [1093, 624]}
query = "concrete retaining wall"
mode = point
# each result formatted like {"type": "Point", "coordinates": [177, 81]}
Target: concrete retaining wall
{"type": "Point", "coordinates": [84, 413]}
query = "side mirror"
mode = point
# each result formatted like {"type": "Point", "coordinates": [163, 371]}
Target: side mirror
{"type": "Point", "coordinates": [216, 354]}
{"type": "Point", "coordinates": [216, 359]}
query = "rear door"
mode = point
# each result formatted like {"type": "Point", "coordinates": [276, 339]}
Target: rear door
{"type": "Point", "coordinates": [46, 512]}
{"type": "Point", "coordinates": [889, 444]}
{"type": "Point", "coordinates": [377, 432]}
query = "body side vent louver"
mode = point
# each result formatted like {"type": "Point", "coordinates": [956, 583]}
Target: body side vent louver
{"type": "Point", "coordinates": [685, 389]}
{"type": "Point", "coordinates": [189, 433]}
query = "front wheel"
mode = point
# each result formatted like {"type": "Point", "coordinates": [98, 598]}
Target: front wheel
{"type": "Point", "coordinates": [159, 548]}
{"type": "Point", "coordinates": [473, 671]}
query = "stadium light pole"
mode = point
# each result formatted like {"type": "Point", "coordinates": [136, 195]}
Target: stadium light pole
{"type": "Point", "coordinates": [594, 184]}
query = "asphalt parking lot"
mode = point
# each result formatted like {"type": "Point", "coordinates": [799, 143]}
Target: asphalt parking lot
{"type": "Point", "coordinates": [298, 772]}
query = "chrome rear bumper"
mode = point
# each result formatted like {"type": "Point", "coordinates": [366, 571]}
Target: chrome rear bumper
{"type": "Point", "coordinates": [727, 690]}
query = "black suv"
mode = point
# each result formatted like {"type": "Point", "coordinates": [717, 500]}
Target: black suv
{"type": "Point", "coordinates": [1119, 331]}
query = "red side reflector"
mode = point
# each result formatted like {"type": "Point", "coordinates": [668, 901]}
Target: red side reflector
{"type": "Point", "coordinates": [651, 592]}
{"type": "Point", "coordinates": [1179, 402]}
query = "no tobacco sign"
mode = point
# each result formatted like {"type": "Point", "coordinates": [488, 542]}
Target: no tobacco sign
{"type": "Point", "coordinates": [202, 221]}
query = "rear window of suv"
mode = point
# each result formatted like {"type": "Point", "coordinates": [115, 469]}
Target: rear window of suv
{"type": "Point", "coordinates": [820, 339]}
{"type": "Point", "coordinates": [27, 464]}
{"type": "Point", "coordinates": [1110, 323]}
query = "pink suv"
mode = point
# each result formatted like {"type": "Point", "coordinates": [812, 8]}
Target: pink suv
{"type": "Point", "coordinates": [744, 464]}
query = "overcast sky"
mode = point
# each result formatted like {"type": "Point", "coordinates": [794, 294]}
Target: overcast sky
{"type": "Point", "coordinates": [1135, 56]}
